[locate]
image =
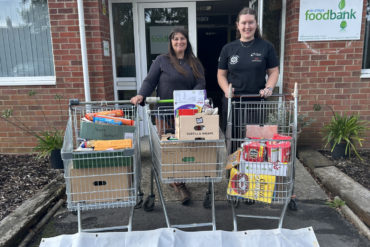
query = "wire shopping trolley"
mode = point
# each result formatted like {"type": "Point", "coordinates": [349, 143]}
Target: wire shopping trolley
{"type": "Point", "coordinates": [261, 142]}
{"type": "Point", "coordinates": [188, 161]}
{"type": "Point", "coordinates": [101, 155]}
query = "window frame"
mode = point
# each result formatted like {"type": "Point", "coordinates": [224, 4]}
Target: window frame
{"type": "Point", "coordinates": [33, 80]}
{"type": "Point", "coordinates": [365, 73]}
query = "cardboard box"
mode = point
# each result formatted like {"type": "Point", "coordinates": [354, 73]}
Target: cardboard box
{"type": "Point", "coordinates": [188, 160]}
{"type": "Point", "coordinates": [95, 185]}
{"type": "Point", "coordinates": [261, 131]}
{"type": "Point", "coordinates": [101, 159]}
{"type": "Point", "coordinates": [95, 131]}
{"type": "Point", "coordinates": [197, 127]}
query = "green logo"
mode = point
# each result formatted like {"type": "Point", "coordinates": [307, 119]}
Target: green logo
{"type": "Point", "coordinates": [330, 14]}
{"type": "Point", "coordinates": [342, 4]}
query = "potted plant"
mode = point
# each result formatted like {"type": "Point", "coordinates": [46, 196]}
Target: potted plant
{"type": "Point", "coordinates": [49, 145]}
{"type": "Point", "coordinates": [342, 133]}
{"type": "Point", "coordinates": [50, 142]}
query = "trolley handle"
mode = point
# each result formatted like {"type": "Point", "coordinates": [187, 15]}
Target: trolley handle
{"type": "Point", "coordinates": [294, 94]}
{"type": "Point", "coordinates": [73, 102]}
{"type": "Point", "coordinates": [157, 100]}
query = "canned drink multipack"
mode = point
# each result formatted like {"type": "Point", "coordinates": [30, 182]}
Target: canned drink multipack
{"type": "Point", "coordinates": [253, 151]}
{"type": "Point", "coordinates": [272, 149]}
{"type": "Point", "coordinates": [284, 145]}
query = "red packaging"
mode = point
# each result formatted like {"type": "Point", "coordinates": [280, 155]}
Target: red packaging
{"type": "Point", "coordinates": [284, 152]}
{"type": "Point", "coordinates": [284, 147]}
{"type": "Point", "coordinates": [280, 137]}
{"type": "Point", "coordinates": [187, 112]}
{"type": "Point", "coordinates": [272, 152]}
{"type": "Point", "coordinates": [253, 151]}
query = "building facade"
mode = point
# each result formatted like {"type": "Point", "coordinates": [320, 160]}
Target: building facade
{"type": "Point", "coordinates": [47, 56]}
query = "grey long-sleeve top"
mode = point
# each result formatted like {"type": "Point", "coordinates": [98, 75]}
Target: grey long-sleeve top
{"type": "Point", "coordinates": [163, 75]}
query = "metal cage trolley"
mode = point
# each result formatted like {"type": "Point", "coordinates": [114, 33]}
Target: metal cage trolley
{"type": "Point", "coordinates": [261, 142]}
{"type": "Point", "coordinates": [189, 161]}
{"type": "Point", "coordinates": [102, 158]}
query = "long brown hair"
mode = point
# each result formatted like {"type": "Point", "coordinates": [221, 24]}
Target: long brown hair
{"type": "Point", "coordinates": [189, 57]}
{"type": "Point", "coordinates": [248, 11]}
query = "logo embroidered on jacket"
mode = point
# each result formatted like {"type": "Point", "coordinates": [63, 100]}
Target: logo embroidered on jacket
{"type": "Point", "coordinates": [256, 57]}
{"type": "Point", "coordinates": [234, 59]}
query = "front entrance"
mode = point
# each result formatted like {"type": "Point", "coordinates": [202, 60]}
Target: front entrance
{"type": "Point", "coordinates": [139, 32]}
{"type": "Point", "coordinates": [156, 21]}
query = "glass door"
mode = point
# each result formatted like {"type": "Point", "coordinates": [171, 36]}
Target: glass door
{"type": "Point", "coordinates": [156, 21]}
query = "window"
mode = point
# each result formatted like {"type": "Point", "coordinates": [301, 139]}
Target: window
{"type": "Point", "coordinates": [366, 57]}
{"type": "Point", "coordinates": [25, 43]}
{"type": "Point", "coordinates": [123, 29]}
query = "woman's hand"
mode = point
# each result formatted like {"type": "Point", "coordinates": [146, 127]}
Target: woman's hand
{"type": "Point", "coordinates": [137, 99]}
{"type": "Point", "coordinates": [229, 94]}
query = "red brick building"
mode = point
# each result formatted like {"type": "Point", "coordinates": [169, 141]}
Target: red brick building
{"type": "Point", "coordinates": [42, 56]}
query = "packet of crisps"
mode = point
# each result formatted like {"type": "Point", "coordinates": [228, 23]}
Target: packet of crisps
{"type": "Point", "coordinates": [234, 159]}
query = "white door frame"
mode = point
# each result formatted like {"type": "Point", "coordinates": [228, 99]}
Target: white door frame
{"type": "Point", "coordinates": [192, 25]}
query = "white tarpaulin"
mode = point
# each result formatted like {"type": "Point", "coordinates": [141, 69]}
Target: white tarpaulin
{"type": "Point", "coordinates": [169, 237]}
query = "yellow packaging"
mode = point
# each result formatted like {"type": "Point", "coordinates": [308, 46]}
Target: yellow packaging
{"type": "Point", "coordinates": [233, 160]}
{"type": "Point", "coordinates": [251, 186]}
{"type": "Point", "coordinates": [101, 145]}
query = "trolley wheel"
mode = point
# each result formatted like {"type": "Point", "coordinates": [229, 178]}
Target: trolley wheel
{"type": "Point", "coordinates": [207, 201]}
{"type": "Point", "coordinates": [250, 202]}
{"type": "Point", "coordinates": [149, 203]}
{"type": "Point", "coordinates": [293, 205]}
{"type": "Point", "coordinates": [139, 204]}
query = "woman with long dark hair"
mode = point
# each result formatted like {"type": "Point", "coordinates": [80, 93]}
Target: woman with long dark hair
{"type": "Point", "coordinates": [179, 69]}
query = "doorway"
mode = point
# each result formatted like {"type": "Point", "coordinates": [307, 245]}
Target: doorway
{"type": "Point", "coordinates": [156, 21]}
{"type": "Point", "coordinates": [210, 43]}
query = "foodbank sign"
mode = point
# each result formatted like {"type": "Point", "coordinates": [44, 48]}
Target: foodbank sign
{"type": "Point", "coordinates": [330, 20]}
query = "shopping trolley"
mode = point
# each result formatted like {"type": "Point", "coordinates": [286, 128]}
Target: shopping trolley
{"type": "Point", "coordinates": [194, 161]}
{"type": "Point", "coordinates": [101, 178]}
{"type": "Point", "coordinates": [261, 140]}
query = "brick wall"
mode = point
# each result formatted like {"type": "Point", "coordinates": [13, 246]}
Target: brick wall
{"type": "Point", "coordinates": [328, 73]}
{"type": "Point", "coordinates": [40, 110]}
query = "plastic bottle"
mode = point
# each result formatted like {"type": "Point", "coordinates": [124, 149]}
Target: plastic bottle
{"type": "Point", "coordinates": [207, 108]}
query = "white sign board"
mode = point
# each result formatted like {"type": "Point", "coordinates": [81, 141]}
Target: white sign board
{"type": "Point", "coordinates": [330, 20]}
{"type": "Point", "coordinates": [159, 38]}
{"type": "Point", "coordinates": [106, 48]}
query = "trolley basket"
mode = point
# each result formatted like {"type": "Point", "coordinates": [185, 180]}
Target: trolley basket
{"type": "Point", "coordinates": [189, 161]}
{"type": "Point", "coordinates": [261, 140]}
{"type": "Point", "coordinates": [105, 176]}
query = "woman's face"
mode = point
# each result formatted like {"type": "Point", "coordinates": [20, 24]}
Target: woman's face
{"type": "Point", "coordinates": [247, 26]}
{"type": "Point", "coordinates": [179, 43]}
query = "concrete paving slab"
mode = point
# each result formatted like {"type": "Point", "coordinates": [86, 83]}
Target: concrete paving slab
{"type": "Point", "coordinates": [305, 186]}
{"type": "Point", "coordinates": [312, 158]}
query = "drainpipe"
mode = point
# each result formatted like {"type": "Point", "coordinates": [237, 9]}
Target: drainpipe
{"type": "Point", "coordinates": [282, 45]}
{"type": "Point", "coordinates": [85, 67]}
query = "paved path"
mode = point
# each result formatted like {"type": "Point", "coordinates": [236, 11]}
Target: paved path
{"type": "Point", "coordinates": [330, 227]}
